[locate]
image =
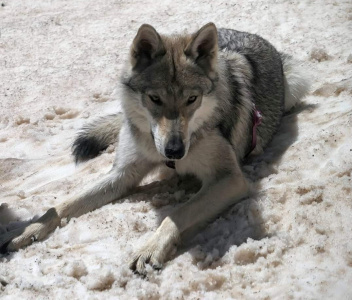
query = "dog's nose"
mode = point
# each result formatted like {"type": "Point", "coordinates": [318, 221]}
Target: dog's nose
{"type": "Point", "coordinates": [174, 148]}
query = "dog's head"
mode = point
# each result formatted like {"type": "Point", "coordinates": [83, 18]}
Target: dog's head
{"type": "Point", "coordinates": [169, 83]}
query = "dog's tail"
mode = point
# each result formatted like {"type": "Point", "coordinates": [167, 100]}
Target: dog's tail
{"type": "Point", "coordinates": [297, 81]}
{"type": "Point", "coordinates": [96, 136]}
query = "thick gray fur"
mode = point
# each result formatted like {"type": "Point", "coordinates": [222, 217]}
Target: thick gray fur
{"type": "Point", "coordinates": [192, 94]}
{"type": "Point", "coordinates": [267, 89]}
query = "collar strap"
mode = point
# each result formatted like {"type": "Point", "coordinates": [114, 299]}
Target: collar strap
{"type": "Point", "coordinates": [257, 120]}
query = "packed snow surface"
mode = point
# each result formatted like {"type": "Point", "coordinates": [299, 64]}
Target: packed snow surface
{"type": "Point", "coordinates": [60, 63]}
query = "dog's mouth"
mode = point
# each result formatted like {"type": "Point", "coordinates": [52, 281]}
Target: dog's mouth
{"type": "Point", "coordinates": [170, 164]}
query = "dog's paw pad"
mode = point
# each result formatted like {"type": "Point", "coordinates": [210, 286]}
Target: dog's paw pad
{"type": "Point", "coordinates": [138, 264]}
{"type": "Point", "coordinates": [140, 261]}
{"type": "Point", "coordinates": [157, 266]}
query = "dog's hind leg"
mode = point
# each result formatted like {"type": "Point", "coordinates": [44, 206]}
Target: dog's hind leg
{"type": "Point", "coordinates": [297, 80]}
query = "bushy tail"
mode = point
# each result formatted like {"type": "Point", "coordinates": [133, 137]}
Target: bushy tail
{"type": "Point", "coordinates": [297, 81]}
{"type": "Point", "coordinates": [96, 136]}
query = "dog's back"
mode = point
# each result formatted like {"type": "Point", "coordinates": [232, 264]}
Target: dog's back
{"type": "Point", "coordinates": [271, 81]}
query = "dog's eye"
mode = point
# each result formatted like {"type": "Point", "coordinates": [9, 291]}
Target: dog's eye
{"type": "Point", "coordinates": [155, 99]}
{"type": "Point", "coordinates": [191, 100]}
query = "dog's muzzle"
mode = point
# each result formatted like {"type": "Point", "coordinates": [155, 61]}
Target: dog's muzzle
{"type": "Point", "coordinates": [175, 149]}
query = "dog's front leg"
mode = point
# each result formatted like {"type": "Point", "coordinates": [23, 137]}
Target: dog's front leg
{"type": "Point", "coordinates": [129, 169]}
{"type": "Point", "coordinates": [208, 203]}
{"type": "Point", "coordinates": [213, 198]}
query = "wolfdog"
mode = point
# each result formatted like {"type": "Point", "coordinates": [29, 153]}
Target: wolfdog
{"type": "Point", "coordinates": [195, 103]}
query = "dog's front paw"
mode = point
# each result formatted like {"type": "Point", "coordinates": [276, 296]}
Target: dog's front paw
{"type": "Point", "coordinates": [156, 251]}
{"type": "Point", "coordinates": [20, 237]}
{"type": "Point", "coordinates": [148, 254]}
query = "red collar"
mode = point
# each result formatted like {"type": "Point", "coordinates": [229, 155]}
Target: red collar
{"type": "Point", "coordinates": [257, 120]}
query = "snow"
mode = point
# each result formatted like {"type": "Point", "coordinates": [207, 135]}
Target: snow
{"type": "Point", "coordinates": [292, 239]}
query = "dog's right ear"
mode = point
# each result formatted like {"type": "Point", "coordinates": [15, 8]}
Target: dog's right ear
{"type": "Point", "coordinates": [146, 46]}
{"type": "Point", "coordinates": [203, 48]}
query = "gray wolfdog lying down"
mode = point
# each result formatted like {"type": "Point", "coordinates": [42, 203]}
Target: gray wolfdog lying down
{"type": "Point", "coordinates": [196, 103]}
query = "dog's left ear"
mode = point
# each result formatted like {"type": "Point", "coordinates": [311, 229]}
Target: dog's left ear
{"type": "Point", "coordinates": [203, 47]}
{"type": "Point", "coordinates": [146, 47]}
